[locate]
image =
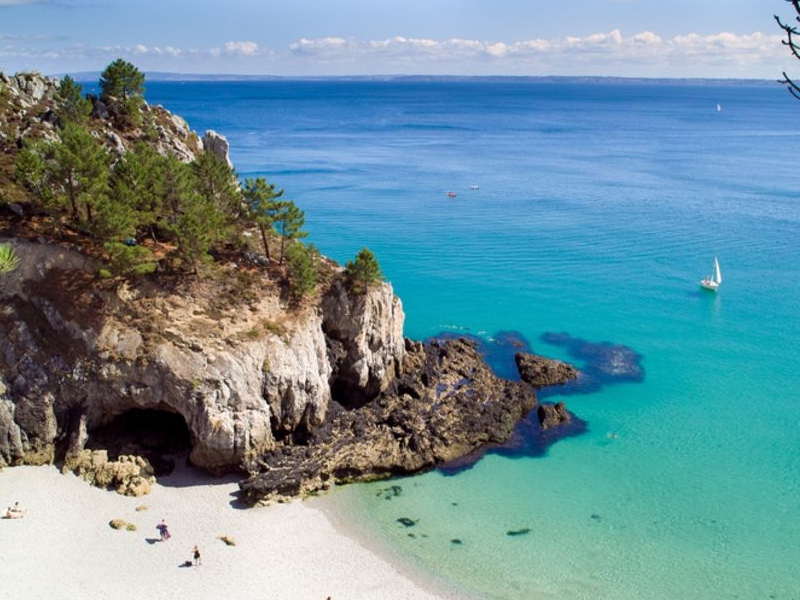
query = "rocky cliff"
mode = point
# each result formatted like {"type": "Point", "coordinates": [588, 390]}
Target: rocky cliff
{"type": "Point", "coordinates": [26, 114]}
{"type": "Point", "coordinates": [73, 350]}
{"type": "Point", "coordinates": [112, 376]}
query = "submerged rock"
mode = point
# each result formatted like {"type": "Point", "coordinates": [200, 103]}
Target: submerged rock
{"type": "Point", "coordinates": [603, 363]}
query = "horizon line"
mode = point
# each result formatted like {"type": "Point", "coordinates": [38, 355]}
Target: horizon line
{"type": "Point", "coordinates": [179, 76]}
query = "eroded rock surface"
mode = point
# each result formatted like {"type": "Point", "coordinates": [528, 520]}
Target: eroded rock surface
{"type": "Point", "coordinates": [76, 353]}
{"type": "Point", "coordinates": [445, 404]}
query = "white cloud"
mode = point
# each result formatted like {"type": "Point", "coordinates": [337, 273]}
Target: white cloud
{"type": "Point", "coordinates": [644, 53]}
{"type": "Point", "coordinates": [244, 48]}
{"type": "Point", "coordinates": [611, 48]}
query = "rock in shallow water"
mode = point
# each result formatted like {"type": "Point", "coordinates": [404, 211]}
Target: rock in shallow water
{"type": "Point", "coordinates": [445, 404]}
{"type": "Point", "coordinates": [541, 372]}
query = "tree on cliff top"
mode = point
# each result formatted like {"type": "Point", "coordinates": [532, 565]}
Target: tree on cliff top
{"type": "Point", "coordinates": [793, 42]}
{"type": "Point", "coordinates": [261, 199]}
{"type": "Point", "coordinates": [364, 271]}
{"type": "Point", "coordinates": [70, 105]}
{"type": "Point", "coordinates": [121, 80]}
{"type": "Point", "coordinates": [71, 174]}
{"type": "Point", "coordinates": [289, 221]}
{"type": "Point", "coordinates": [122, 87]}
{"type": "Point", "coordinates": [303, 271]}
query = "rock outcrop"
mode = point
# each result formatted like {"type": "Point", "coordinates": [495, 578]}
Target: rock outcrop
{"type": "Point", "coordinates": [364, 333]}
{"type": "Point", "coordinates": [242, 379]}
{"type": "Point", "coordinates": [128, 475]}
{"type": "Point", "coordinates": [218, 145]}
{"type": "Point", "coordinates": [26, 103]}
{"type": "Point", "coordinates": [299, 399]}
{"type": "Point", "coordinates": [543, 372]}
{"type": "Point", "coordinates": [553, 415]}
{"type": "Point", "coordinates": [445, 403]}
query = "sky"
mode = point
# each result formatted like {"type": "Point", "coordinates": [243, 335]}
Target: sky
{"type": "Point", "coordinates": [627, 38]}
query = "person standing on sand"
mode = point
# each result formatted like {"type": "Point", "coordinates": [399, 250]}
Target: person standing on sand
{"type": "Point", "coordinates": [163, 530]}
{"type": "Point", "coordinates": [196, 556]}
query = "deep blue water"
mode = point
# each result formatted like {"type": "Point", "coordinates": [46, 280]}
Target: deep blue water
{"type": "Point", "coordinates": [599, 208]}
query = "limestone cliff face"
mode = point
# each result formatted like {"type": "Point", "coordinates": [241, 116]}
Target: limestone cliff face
{"type": "Point", "coordinates": [75, 353]}
{"type": "Point", "coordinates": [365, 334]}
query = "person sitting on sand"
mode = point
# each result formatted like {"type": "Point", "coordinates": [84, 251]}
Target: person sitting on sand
{"type": "Point", "coordinates": [15, 512]}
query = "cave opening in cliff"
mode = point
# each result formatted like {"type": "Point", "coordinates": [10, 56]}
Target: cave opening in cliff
{"type": "Point", "coordinates": [161, 436]}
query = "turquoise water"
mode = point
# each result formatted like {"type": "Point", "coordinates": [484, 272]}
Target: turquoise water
{"type": "Point", "coordinates": [598, 210]}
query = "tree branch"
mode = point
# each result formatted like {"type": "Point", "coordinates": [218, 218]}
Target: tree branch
{"type": "Point", "coordinates": [793, 88]}
{"type": "Point", "coordinates": [792, 34]}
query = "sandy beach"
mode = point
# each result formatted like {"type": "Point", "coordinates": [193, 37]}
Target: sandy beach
{"type": "Point", "coordinates": [65, 548]}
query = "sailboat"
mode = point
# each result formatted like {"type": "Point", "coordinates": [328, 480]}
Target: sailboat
{"type": "Point", "coordinates": [712, 282]}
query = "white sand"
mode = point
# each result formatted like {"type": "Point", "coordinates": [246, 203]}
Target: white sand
{"type": "Point", "coordinates": [64, 547]}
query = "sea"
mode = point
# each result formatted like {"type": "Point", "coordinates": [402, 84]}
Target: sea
{"type": "Point", "coordinates": [574, 218]}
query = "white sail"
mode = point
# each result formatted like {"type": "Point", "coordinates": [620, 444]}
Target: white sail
{"type": "Point", "coordinates": [717, 272]}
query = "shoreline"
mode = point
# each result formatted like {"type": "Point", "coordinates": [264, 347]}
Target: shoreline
{"type": "Point", "coordinates": [349, 523]}
{"type": "Point", "coordinates": [302, 549]}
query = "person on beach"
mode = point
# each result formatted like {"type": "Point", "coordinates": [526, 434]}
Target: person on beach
{"type": "Point", "coordinates": [196, 556]}
{"type": "Point", "coordinates": [15, 512]}
{"type": "Point", "coordinates": [163, 530]}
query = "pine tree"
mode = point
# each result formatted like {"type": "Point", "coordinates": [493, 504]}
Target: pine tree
{"type": "Point", "coordinates": [33, 172]}
{"type": "Point", "coordinates": [289, 221]}
{"type": "Point", "coordinates": [262, 206]}
{"type": "Point", "coordinates": [70, 105]}
{"type": "Point", "coordinates": [188, 216]}
{"type": "Point", "coordinates": [364, 271]}
{"type": "Point", "coordinates": [121, 80]}
{"type": "Point", "coordinates": [122, 86]}
{"type": "Point", "coordinates": [138, 191]}
{"type": "Point", "coordinates": [216, 182]}
{"type": "Point", "coordinates": [81, 167]}
{"type": "Point", "coordinates": [71, 174]}
{"type": "Point", "coordinates": [303, 273]}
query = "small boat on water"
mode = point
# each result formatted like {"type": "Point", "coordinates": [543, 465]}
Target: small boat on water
{"type": "Point", "coordinates": [712, 281]}
{"type": "Point", "coordinates": [451, 194]}
{"type": "Point", "coordinates": [474, 186]}
{"type": "Point", "coordinates": [719, 107]}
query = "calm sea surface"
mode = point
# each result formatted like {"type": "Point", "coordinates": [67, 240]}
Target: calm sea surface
{"type": "Point", "coordinates": [598, 209]}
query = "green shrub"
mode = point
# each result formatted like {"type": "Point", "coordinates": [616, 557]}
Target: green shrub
{"type": "Point", "coordinates": [129, 260]}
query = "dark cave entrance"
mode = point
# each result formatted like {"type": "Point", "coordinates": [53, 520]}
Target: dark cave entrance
{"type": "Point", "coordinates": [162, 437]}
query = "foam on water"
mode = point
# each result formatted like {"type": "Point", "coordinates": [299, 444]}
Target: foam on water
{"type": "Point", "coordinates": [599, 209]}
